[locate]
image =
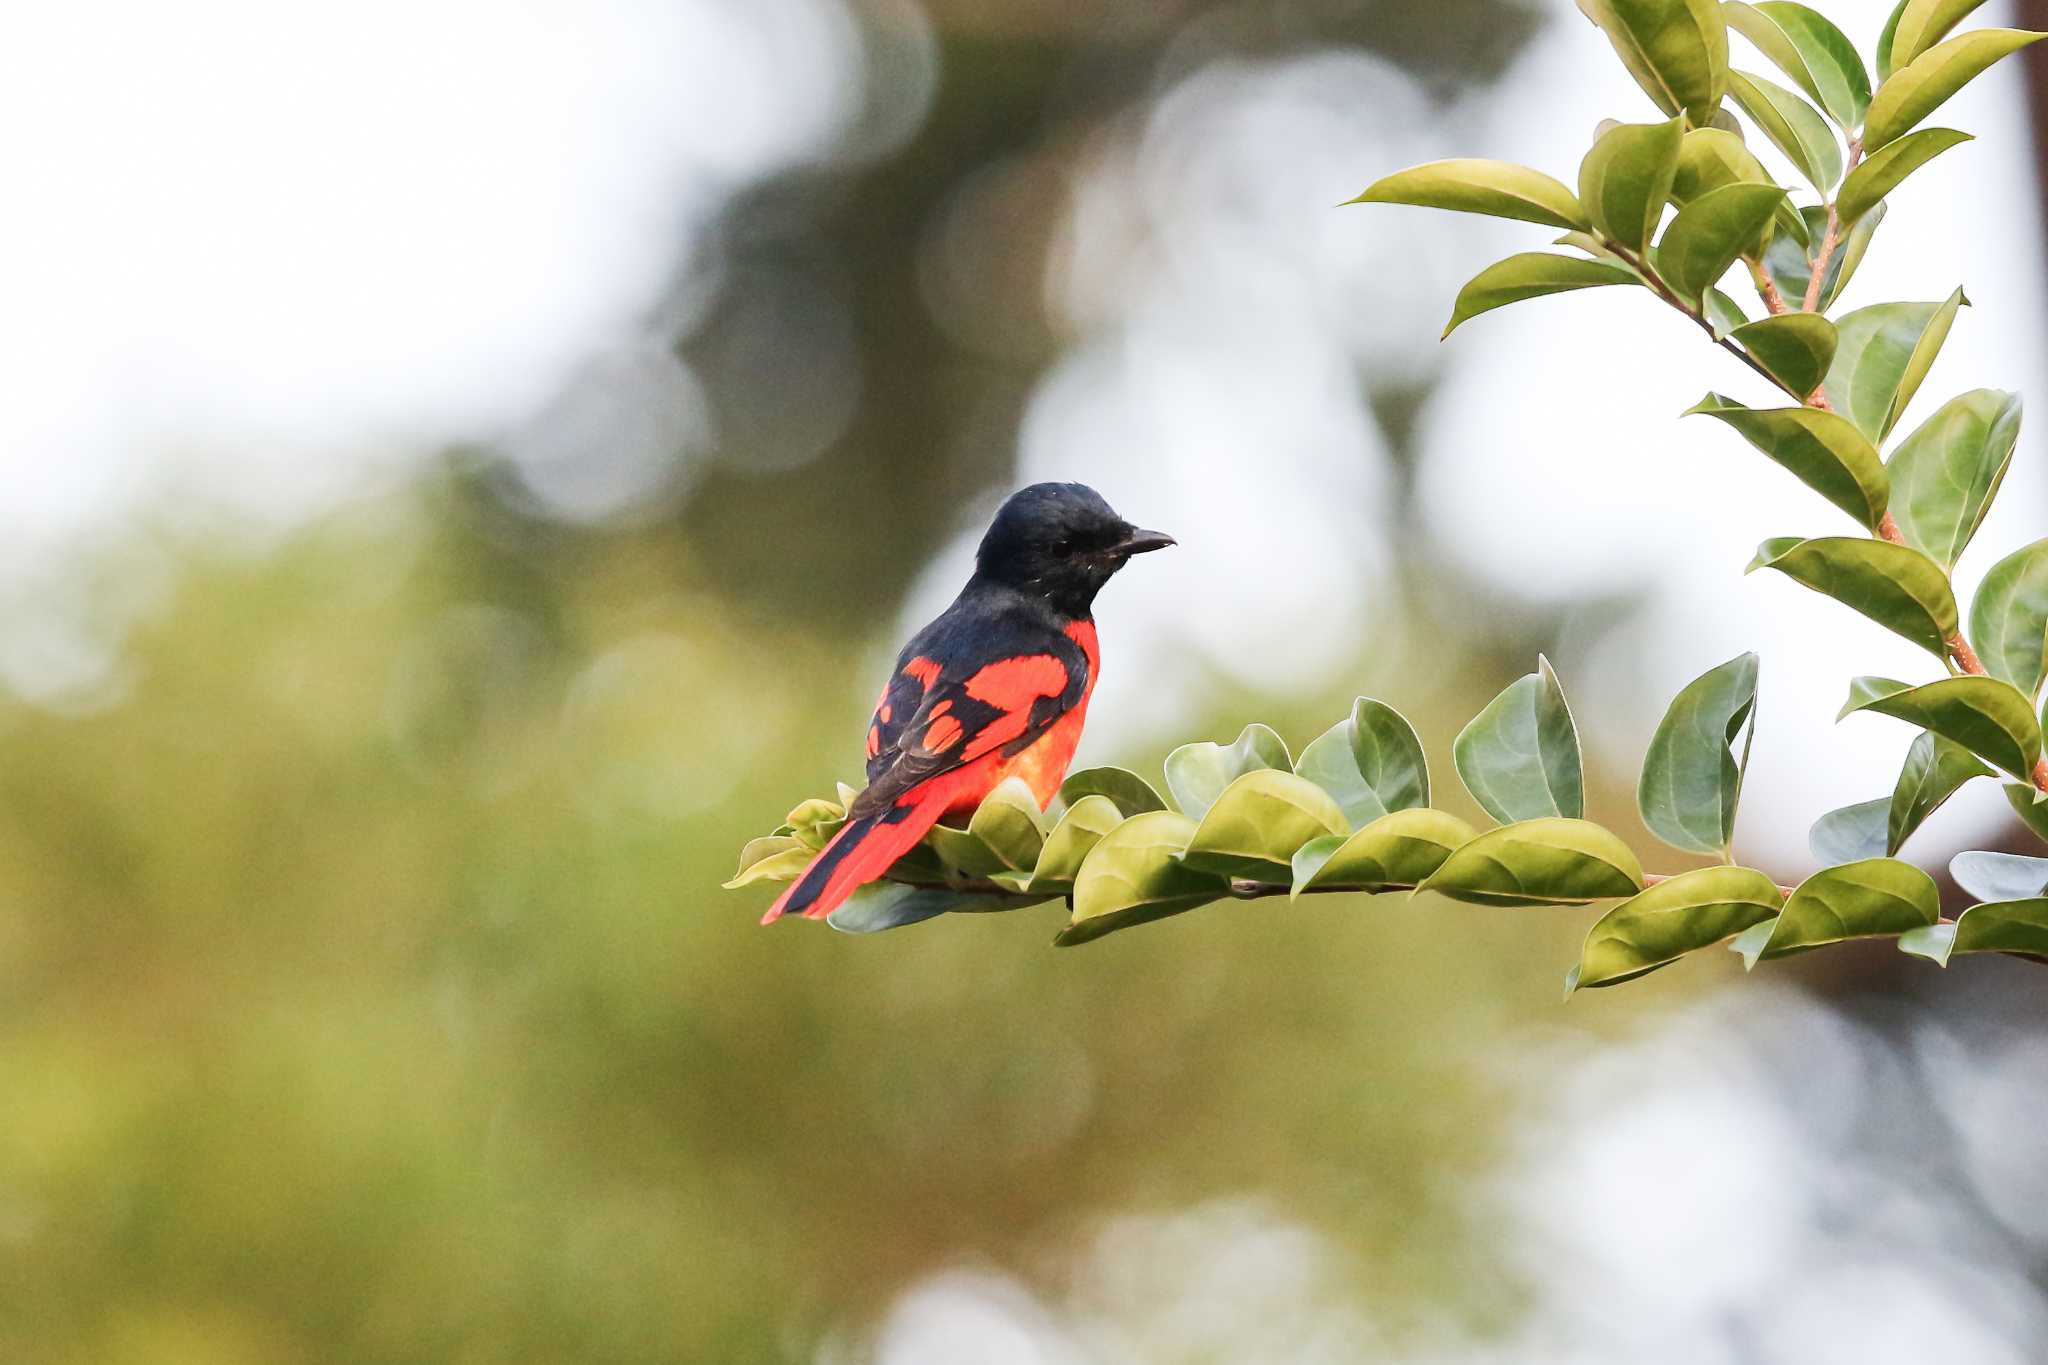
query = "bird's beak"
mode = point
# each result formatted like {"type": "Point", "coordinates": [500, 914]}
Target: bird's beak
{"type": "Point", "coordinates": [1139, 542]}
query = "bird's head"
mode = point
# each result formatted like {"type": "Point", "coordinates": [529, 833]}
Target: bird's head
{"type": "Point", "coordinates": [1060, 541]}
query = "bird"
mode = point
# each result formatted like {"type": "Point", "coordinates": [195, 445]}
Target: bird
{"type": "Point", "coordinates": [995, 687]}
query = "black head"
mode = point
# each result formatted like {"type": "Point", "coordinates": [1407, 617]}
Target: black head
{"type": "Point", "coordinates": [1061, 542]}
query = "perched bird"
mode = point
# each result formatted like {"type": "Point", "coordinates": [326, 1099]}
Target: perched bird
{"type": "Point", "coordinates": [996, 687]}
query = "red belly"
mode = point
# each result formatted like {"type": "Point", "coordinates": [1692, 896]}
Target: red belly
{"type": "Point", "coordinates": [1043, 765]}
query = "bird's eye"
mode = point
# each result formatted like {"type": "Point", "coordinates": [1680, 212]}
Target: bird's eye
{"type": "Point", "coordinates": [1063, 548]}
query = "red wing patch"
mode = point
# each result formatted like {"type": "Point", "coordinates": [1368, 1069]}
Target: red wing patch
{"type": "Point", "coordinates": [926, 671]}
{"type": "Point", "coordinates": [1014, 685]}
{"type": "Point", "coordinates": [942, 734]}
{"type": "Point", "coordinates": [874, 740]}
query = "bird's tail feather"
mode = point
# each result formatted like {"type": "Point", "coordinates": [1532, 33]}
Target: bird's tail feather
{"type": "Point", "coordinates": [861, 851]}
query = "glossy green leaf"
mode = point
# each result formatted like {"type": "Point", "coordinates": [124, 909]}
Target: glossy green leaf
{"type": "Point", "coordinates": [1945, 474]}
{"type": "Point", "coordinates": [1818, 57]}
{"type": "Point", "coordinates": [1710, 158]}
{"type": "Point", "coordinates": [1877, 177]}
{"type": "Point", "coordinates": [1996, 927]}
{"type": "Point", "coordinates": [2009, 618]}
{"type": "Point", "coordinates": [964, 853]}
{"type": "Point", "coordinates": [1397, 850]}
{"type": "Point", "coordinates": [767, 846]}
{"type": "Point", "coordinates": [1824, 451]}
{"type": "Point", "coordinates": [1009, 821]}
{"type": "Point", "coordinates": [2030, 803]}
{"type": "Point", "coordinates": [1520, 756]}
{"type": "Point", "coordinates": [1372, 763]}
{"type": "Point", "coordinates": [1677, 50]}
{"type": "Point", "coordinates": [1796, 348]}
{"type": "Point", "coordinates": [1879, 897]}
{"type": "Point", "coordinates": [1898, 587]}
{"type": "Point", "coordinates": [1497, 189]}
{"type": "Point", "coordinates": [1598, 250]}
{"type": "Point", "coordinates": [1797, 128]}
{"type": "Point", "coordinates": [1253, 829]}
{"type": "Point", "coordinates": [1888, 37]}
{"type": "Point", "coordinates": [1886, 351]}
{"type": "Point", "coordinates": [1626, 179]}
{"type": "Point", "coordinates": [1132, 794]}
{"type": "Point", "coordinates": [1712, 232]}
{"type": "Point", "coordinates": [1134, 875]}
{"type": "Point", "coordinates": [879, 906]}
{"type": "Point", "coordinates": [1083, 826]}
{"type": "Point", "coordinates": [1935, 769]}
{"type": "Point", "coordinates": [1723, 314]}
{"type": "Point", "coordinates": [1539, 862]}
{"type": "Point", "coordinates": [1196, 774]}
{"type": "Point", "coordinates": [1852, 833]}
{"type": "Point", "coordinates": [1923, 85]}
{"type": "Point", "coordinates": [1530, 275]}
{"type": "Point", "coordinates": [814, 822]}
{"type": "Point", "coordinates": [1989, 876]}
{"type": "Point", "coordinates": [1919, 24]}
{"type": "Point", "coordinates": [1789, 261]}
{"type": "Point", "coordinates": [1988, 717]}
{"type": "Point", "coordinates": [1692, 774]}
{"type": "Point", "coordinates": [784, 865]}
{"type": "Point", "coordinates": [1680, 915]}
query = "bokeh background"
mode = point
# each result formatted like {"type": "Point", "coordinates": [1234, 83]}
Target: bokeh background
{"type": "Point", "coordinates": [467, 468]}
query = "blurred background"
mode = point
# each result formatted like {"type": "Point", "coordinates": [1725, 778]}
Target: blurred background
{"type": "Point", "coordinates": [468, 468]}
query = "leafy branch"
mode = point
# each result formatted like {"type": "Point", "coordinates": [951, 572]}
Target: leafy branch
{"type": "Point", "coordinates": [1675, 207]}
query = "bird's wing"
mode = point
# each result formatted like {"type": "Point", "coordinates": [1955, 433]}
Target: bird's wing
{"type": "Point", "coordinates": [936, 716]}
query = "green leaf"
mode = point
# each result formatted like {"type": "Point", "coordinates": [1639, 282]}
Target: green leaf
{"type": "Point", "coordinates": [1851, 834]}
{"type": "Point", "coordinates": [1539, 862]}
{"type": "Point", "coordinates": [2009, 618]}
{"type": "Point", "coordinates": [1009, 822]}
{"type": "Point", "coordinates": [1889, 37]}
{"type": "Point", "coordinates": [1196, 774]}
{"type": "Point", "coordinates": [1520, 756]}
{"type": "Point", "coordinates": [1677, 50]}
{"type": "Point", "coordinates": [1945, 475]}
{"type": "Point", "coordinates": [1397, 850]}
{"type": "Point", "coordinates": [1899, 588]}
{"type": "Point", "coordinates": [1988, 717]}
{"type": "Point", "coordinates": [1824, 451]}
{"type": "Point", "coordinates": [1626, 178]}
{"type": "Point", "coordinates": [1681, 915]}
{"type": "Point", "coordinates": [1134, 875]}
{"type": "Point", "coordinates": [1708, 159]}
{"type": "Point", "coordinates": [1999, 876]}
{"type": "Point", "coordinates": [1530, 275]}
{"type": "Point", "coordinates": [891, 905]}
{"type": "Point", "coordinates": [1877, 177]}
{"type": "Point", "coordinates": [1253, 829]}
{"type": "Point", "coordinates": [1996, 927]}
{"type": "Point", "coordinates": [1794, 125]}
{"type": "Point", "coordinates": [1796, 348]}
{"type": "Point", "coordinates": [1886, 352]}
{"type": "Point", "coordinates": [1692, 776]}
{"type": "Point", "coordinates": [1132, 794]}
{"type": "Point", "coordinates": [1926, 83]}
{"type": "Point", "coordinates": [1083, 826]}
{"type": "Point", "coordinates": [814, 822]}
{"type": "Point", "coordinates": [767, 846]}
{"type": "Point", "coordinates": [1372, 763]}
{"type": "Point", "coordinates": [784, 865]}
{"type": "Point", "coordinates": [2030, 804]}
{"type": "Point", "coordinates": [1876, 898]}
{"type": "Point", "coordinates": [1789, 260]}
{"type": "Point", "coordinates": [1724, 314]}
{"type": "Point", "coordinates": [964, 853]}
{"type": "Point", "coordinates": [1712, 232]}
{"type": "Point", "coordinates": [1497, 189]}
{"type": "Point", "coordinates": [1935, 770]}
{"type": "Point", "coordinates": [1813, 52]}
{"type": "Point", "coordinates": [1920, 24]}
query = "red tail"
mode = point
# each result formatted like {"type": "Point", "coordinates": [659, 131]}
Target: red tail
{"type": "Point", "coordinates": [861, 851]}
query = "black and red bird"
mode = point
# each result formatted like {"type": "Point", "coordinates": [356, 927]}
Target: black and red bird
{"type": "Point", "coordinates": [996, 687]}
